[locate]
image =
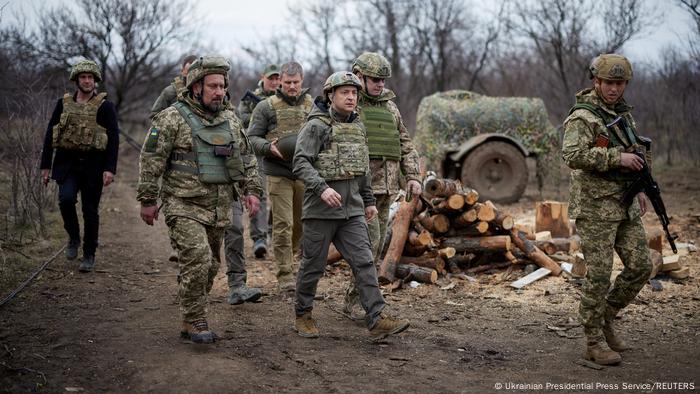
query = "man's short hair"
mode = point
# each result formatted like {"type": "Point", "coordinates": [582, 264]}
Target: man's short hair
{"type": "Point", "coordinates": [188, 60]}
{"type": "Point", "coordinates": [292, 68]}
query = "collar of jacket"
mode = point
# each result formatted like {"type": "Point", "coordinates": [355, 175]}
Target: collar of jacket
{"type": "Point", "coordinates": [292, 100]}
{"type": "Point", "coordinates": [590, 96]}
{"type": "Point", "coordinates": [323, 108]}
{"type": "Point", "coordinates": [199, 110]}
{"type": "Point", "coordinates": [386, 95]}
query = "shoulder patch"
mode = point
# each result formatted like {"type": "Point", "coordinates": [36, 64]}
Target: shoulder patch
{"type": "Point", "coordinates": [151, 140]}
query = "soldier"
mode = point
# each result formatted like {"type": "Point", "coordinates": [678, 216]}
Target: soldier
{"type": "Point", "coordinates": [84, 133]}
{"type": "Point", "coordinates": [391, 151]}
{"type": "Point", "coordinates": [169, 95]}
{"type": "Point", "coordinates": [599, 138]}
{"type": "Point", "coordinates": [332, 159]}
{"type": "Point", "coordinates": [273, 129]}
{"type": "Point", "coordinates": [198, 147]}
{"type": "Point", "coordinates": [239, 292]}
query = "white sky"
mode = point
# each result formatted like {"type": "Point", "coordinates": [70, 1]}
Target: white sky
{"type": "Point", "coordinates": [228, 23]}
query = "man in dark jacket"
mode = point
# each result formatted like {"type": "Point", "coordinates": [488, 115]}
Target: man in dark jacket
{"type": "Point", "coordinates": [332, 159]}
{"type": "Point", "coordinates": [84, 133]}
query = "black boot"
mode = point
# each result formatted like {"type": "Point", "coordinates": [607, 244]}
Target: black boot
{"type": "Point", "coordinates": [87, 263]}
{"type": "Point", "coordinates": [72, 249]}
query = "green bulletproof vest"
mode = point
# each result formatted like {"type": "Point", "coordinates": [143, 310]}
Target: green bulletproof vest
{"type": "Point", "coordinates": [215, 151]}
{"type": "Point", "coordinates": [614, 133]}
{"type": "Point", "coordinates": [345, 154]}
{"type": "Point", "coordinates": [382, 133]}
{"type": "Point", "coordinates": [290, 118]}
{"type": "Point", "coordinates": [78, 129]}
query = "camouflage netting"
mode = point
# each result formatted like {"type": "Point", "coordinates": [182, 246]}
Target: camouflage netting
{"type": "Point", "coordinates": [448, 119]}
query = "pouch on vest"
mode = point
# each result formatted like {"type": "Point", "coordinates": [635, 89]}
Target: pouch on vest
{"type": "Point", "coordinates": [346, 156]}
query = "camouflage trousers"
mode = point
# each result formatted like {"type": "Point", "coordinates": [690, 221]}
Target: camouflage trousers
{"type": "Point", "coordinates": [377, 226]}
{"type": "Point", "coordinates": [599, 239]}
{"type": "Point", "coordinates": [199, 248]}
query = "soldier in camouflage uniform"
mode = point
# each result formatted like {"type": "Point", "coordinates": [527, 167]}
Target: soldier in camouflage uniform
{"type": "Point", "coordinates": [599, 138]}
{"type": "Point", "coordinates": [84, 133]}
{"type": "Point", "coordinates": [199, 149]}
{"type": "Point", "coordinates": [239, 292]}
{"type": "Point", "coordinates": [332, 159]}
{"type": "Point", "coordinates": [274, 126]}
{"type": "Point", "coordinates": [391, 152]}
{"type": "Point", "coordinates": [169, 95]}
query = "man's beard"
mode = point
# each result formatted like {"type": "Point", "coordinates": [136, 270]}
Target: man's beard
{"type": "Point", "coordinates": [214, 106]}
{"type": "Point", "coordinates": [86, 91]}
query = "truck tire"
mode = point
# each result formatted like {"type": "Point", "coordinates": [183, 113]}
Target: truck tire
{"type": "Point", "coordinates": [497, 170]}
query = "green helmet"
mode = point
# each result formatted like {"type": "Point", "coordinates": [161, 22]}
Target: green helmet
{"type": "Point", "coordinates": [341, 78]}
{"type": "Point", "coordinates": [372, 64]}
{"type": "Point", "coordinates": [86, 66]}
{"type": "Point", "coordinates": [205, 65]}
{"type": "Point", "coordinates": [611, 67]}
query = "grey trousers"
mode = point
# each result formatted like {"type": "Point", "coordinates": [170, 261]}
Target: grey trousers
{"type": "Point", "coordinates": [351, 237]}
{"type": "Point", "coordinates": [233, 248]}
{"type": "Point", "coordinates": [258, 223]}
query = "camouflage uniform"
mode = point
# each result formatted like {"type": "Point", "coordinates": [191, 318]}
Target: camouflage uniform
{"type": "Point", "coordinates": [196, 213]}
{"type": "Point", "coordinates": [604, 224]}
{"type": "Point", "coordinates": [168, 96]}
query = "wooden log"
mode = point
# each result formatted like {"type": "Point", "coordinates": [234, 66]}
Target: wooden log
{"type": "Point", "coordinates": [461, 260]}
{"type": "Point", "coordinates": [566, 245]}
{"type": "Point", "coordinates": [399, 234]}
{"type": "Point", "coordinates": [422, 239]}
{"type": "Point", "coordinates": [543, 236]}
{"type": "Point", "coordinates": [655, 239]}
{"type": "Point", "coordinates": [510, 257]}
{"type": "Point", "coordinates": [534, 253]}
{"type": "Point", "coordinates": [485, 212]}
{"type": "Point", "coordinates": [453, 203]}
{"type": "Point", "coordinates": [427, 261]}
{"type": "Point", "coordinates": [546, 246]}
{"type": "Point", "coordinates": [504, 221]}
{"type": "Point", "coordinates": [529, 234]}
{"type": "Point", "coordinates": [671, 263]}
{"type": "Point", "coordinates": [579, 268]}
{"type": "Point", "coordinates": [414, 272]}
{"type": "Point", "coordinates": [434, 223]}
{"type": "Point", "coordinates": [333, 255]}
{"type": "Point", "coordinates": [414, 250]}
{"type": "Point", "coordinates": [447, 253]}
{"type": "Point", "coordinates": [487, 267]}
{"type": "Point", "coordinates": [471, 196]}
{"type": "Point", "coordinates": [442, 187]}
{"type": "Point", "coordinates": [477, 229]}
{"type": "Point", "coordinates": [553, 216]}
{"type": "Point", "coordinates": [466, 218]}
{"type": "Point", "coordinates": [497, 243]}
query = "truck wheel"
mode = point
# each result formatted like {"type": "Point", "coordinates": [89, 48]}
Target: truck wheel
{"type": "Point", "coordinates": [497, 170]}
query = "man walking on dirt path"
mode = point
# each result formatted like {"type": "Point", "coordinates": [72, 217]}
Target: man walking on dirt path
{"type": "Point", "coordinates": [199, 149]}
{"type": "Point", "coordinates": [391, 152]}
{"type": "Point", "coordinates": [599, 140]}
{"type": "Point", "coordinates": [332, 159]}
{"type": "Point", "coordinates": [84, 133]}
{"type": "Point", "coordinates": [239, 292]}
{"type": "Point", "coordinates": [273, 130]}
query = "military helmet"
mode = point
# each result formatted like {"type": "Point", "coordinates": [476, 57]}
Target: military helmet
{"type": "Point", "coordinates": [86, 66]}
{"type": "Point", "coordinates": [372, 64]}
{"type": "Point", "coordinates": [612, 67]}
{"type": "Point", "coordinates": [205, 65]}
{"type": "Point", "coordinates": [341, 78]}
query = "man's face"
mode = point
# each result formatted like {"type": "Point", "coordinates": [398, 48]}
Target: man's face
{"type": "Point", "coordinates": [213, 90]}
{"type": "Point", "coordinates": [291, 84]}
{"type": "Point", "coordinates": [185, 69]}
{"type": "Point", "coordinates": [271, 83]}
{"type": "Point", "coordinates": [86, 82]}
{"type": "Point", "coordinates": [344, 99]}
{"type": "Point", "coordinates": [374, 86]}
{"type": "Point", "coordinates": [610, 91]}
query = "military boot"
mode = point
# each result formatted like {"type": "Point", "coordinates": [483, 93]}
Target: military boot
{"type": "Point", "coordinates": [240, 294]}
{"type": "Point", "coordinates": [197, 331]}
{"type": "Point", "coordinates": [72, 249]}
{"type": "Point", "coordinates": [305, 325]}
{"type": "Point", "coordinates": [385, 326]}
{"type": "Point", "coordinates": [614, 341]}
{"type": "Point", "coordinates": [87, 264]}
{"type": "Point", "coordinates": [597, 350]}
{"type": "Point", "coordinates": [351, 303]}
{"type": "Point", "coordinates": [260, 248]}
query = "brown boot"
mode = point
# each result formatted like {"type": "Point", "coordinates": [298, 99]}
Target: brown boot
{"type": "Point", "coordinates": [614, 341]}
{"type": "Point", "coordinates": [597, 350]}
{"type": "Point", "coordinates": [197, 331]}
{"type": "Point", "coordinates": [387, 325]}
{"type": "Point", "coordinates": [305, 325]}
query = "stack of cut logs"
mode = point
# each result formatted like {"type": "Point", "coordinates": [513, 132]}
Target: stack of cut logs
{"type": "Point", "coordinates": [448, 230]}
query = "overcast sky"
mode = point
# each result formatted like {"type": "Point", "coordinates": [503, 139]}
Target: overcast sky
{"type": "Point", "coordinates": [227, 24]}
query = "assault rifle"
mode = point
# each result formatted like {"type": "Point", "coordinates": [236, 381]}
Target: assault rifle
{"type": "Point", "coordinates": [251, 97]}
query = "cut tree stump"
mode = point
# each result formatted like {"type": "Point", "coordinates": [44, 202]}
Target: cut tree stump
{"type": "Point", "coordinates": [553, 216]}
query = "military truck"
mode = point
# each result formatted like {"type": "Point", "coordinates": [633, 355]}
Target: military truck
{"type": "Point", "coordinates": [484, 141]}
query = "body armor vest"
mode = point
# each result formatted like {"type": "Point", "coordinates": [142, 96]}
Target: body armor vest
{"type": "Point", "coordinates": [78, 129]}
{"type": "Point", "coordinates": [621, 133]}
{"type": "Point", "coordinates": [290, 118]}
{"type": "Point", "coordinates": [382, 133]}
{"type": "Point", "coordinates": [215, 150]}
{"type": "Point", "coordinates": [344, 155]}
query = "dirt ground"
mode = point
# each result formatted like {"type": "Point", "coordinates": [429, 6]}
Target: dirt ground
{"type": "Point", "coordinates": [116, 330]}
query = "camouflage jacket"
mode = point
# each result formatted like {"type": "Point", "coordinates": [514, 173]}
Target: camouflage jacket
{"type": "Point", "coordinates": [168, 96]}
{"type": "Point", "coordinates": [356, 193]}
{"type": "Point", "coordinates": [245, 108]}
{"type": "Point", "coordinates": [182, 193]}
{"type": "Point", "coordinates": [387, 174]}
{"type": "Point", "coordinates": [593, 194]}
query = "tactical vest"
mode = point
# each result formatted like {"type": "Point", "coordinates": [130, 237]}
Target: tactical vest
{"type": "Point", "coordinates": [290, 118]}
{"type": "Point", "coordinates": [614, 132]}
{"type": "Point", "coordinates": [78, 129]}
{"type": "Point", "coordinates": [215, 151]}
{"type": "Point", "coordinates": [344, 155]}
{"type": "Point", "coordinates": [382, 133]}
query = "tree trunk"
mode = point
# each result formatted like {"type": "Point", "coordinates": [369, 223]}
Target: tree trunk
{"type": "Point", "coordinates": [496, 243]}
{"type": "Point", "coordinates": [414, 272]}
{"type": "Point", "coordinates": [553, 216]}
{"type": "Point", "coordinates": [533, 253]}
{"type": "Point", "coordinates": [399, 234]}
